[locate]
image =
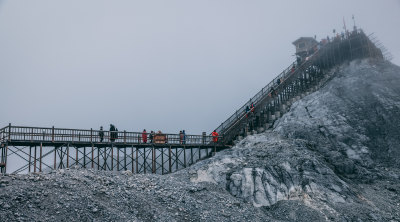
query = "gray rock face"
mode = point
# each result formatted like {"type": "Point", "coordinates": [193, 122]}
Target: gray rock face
{"type": "Point", "coordinates": [264, 169]}
{"type": "Point", "coordinates": [334, 156]}
{"type": "Point", "coordinates": [354, 120]}
{"type": "Point", "coordinates": [330, 142]}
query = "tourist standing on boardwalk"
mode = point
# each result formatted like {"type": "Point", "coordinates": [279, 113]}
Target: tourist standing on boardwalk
{"type": "Point", "coordinates": [151, 136]}
{"type": "Point", "coordinates": [184, 137]}
{"type": "Point", "coordinates": [144, 136]}
{"type": "Point", "coordinates": [215, 136]}
{"type": "Point", "coordinates": [112, 133]}
{"type": "Point", "coordinates": [101, 134]}
{"type": "Point", "coordinates": [180, 137]}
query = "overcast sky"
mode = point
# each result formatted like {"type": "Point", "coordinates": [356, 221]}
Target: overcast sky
{"type": "Point", "coordinates": [159, 65]}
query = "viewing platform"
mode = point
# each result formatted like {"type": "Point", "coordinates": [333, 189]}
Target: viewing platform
{"type": "Point", "coordinates": [34, 136]}
{"type": "Point", "coordinates": [37, 149]}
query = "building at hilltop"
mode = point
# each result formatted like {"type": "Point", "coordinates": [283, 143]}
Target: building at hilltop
{"type": "Point", "coordinates": [304, 45]}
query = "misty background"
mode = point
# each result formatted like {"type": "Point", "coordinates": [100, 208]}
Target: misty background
{"type": "Point", "coordinates": [159, 65]}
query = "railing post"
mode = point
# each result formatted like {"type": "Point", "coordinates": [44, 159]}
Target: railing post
{"type": "Point", "coordinates": [112, 157]}
{"type": "Point", "coordinates": [52, 134]}
{"type": "Point", "coordinates": [91, 134]}
{"type": "Point", "coordinates": [169, 160]}
{"type": "Point", "coordinates": [55, 157]}
{"type": "Point", "coordinates": [34, 160]}
{"type": "Point", "coordinates": [5, 158]}
{"type": "Point", "coordinates": [9, 132]}
{"type": "Point", "coordinates": [184, 156]}
{"type": "Point", "coordinates": [40, 160]}
{"type": "Point", "coordinates": [124, 136]}
{"type": "Point", "coordinates": [153, 166]}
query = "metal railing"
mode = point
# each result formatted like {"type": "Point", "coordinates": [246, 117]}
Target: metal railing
{"type": "Point", "coordinates": [2, 134]}
{"type": "Point", "coordinates": [63, 135]}
{"type": "Point", "coordinates": [241, 112]}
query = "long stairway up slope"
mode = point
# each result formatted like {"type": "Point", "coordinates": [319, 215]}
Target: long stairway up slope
{"type": "Point", "coordinates": [294, 81]}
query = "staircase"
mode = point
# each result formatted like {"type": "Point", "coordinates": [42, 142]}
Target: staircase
{"type": "Point", "coordinates": [295, 82]}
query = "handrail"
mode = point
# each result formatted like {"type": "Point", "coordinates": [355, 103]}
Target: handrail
{"type": "Point", "coordinates": [46, 134]}
{"type": "Point", "coordinates": [2, 134]}
{"type": "Point", "coordinates": [244, 114]}
{"type": "Point", "coordinates": [259, 96]}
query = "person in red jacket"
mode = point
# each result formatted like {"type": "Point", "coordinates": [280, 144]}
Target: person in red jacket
{"type": "Point", "coordinates": [144, 136]}
{"type": "Point", "coordinates": [215, 136]}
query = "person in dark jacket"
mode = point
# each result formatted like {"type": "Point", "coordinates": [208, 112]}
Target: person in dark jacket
{"type": "Point", "coordinates": [112, 133]}
{"type": "Point", "coordinates": [151, 136]}
{"type": "Point", "coordinates": [247, 111]}
{"type": "Point", "coordinates": [271, 92]}
{"type": "Point", "coordinates": [101, 134]}
{"type": "Point", "coordinates": [184, 137]}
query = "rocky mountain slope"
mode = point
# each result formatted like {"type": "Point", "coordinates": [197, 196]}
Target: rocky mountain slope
{"type": "Point", "coordinates": [333, 157]}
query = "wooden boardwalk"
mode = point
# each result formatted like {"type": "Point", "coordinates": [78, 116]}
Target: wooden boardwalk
{"type": "Point", "coordinates": [40, 148]}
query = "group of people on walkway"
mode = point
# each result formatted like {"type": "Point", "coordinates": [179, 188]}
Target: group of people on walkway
{"type": "Point", "coordinates": [146, 137]}
{"type": "Point", "coordinates": [113, 133]}
{"type": "Point", "coordinates": [249, 110]}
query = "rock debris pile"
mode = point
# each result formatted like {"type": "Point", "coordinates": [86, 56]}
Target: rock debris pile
{"type": "Point", "coordinates": [87, 195]}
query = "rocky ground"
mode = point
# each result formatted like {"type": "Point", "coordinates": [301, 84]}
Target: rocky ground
{"type": "Point", "coordinates": [85, 195]}
{"type": "Point", "coordinates": [333, 157]}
